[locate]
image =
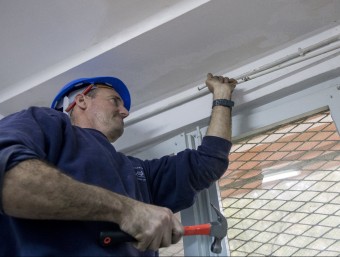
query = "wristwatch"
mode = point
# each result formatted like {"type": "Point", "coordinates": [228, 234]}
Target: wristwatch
{"type": "Point", "coordinates": [223, 102]}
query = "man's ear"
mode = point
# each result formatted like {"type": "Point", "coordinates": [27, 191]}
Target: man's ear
{"type": "Point", "coordinates": [81, 101]}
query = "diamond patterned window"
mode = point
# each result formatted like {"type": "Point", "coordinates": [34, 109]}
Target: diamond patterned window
{"type": "Point", "coordinates": [281, 193]}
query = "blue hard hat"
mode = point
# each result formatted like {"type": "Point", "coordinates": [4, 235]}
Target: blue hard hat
{"type": "Point", "coordinates": [77, 84]}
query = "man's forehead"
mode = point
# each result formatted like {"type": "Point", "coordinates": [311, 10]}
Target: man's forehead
{"type": "Point", "coordinates": [108, 90]}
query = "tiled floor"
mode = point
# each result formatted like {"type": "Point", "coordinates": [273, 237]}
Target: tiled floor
{"type": "Point", "coordinates": [281, 193]}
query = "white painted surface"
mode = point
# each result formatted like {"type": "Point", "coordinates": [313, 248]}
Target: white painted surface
{"type": "Point", "coordinates": [249, 96]}
{"type": "Point", "coordinates": [159, 48]}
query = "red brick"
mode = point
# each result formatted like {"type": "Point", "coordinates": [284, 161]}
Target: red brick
{"type": "Point", "coordinates": [304, 136]}
{"type": "Point", "coordinates": [278, 156]}
{"type": "Point", "coordinates": [234, 156]}
{"type": "Point", "coordinates": [321, 136]}
{"type": "Point", "coordinates": [226, 181]}
{"type": "Point", "coordinates": [239, 193]}
{"type": "Point", "coordinates": [266, 164]}
{"type": "Point", "coordinates": [262, 156]}
{"type": "Point", "coordinates": [310, 155]}
{"type": "Point", "coordinates": [249, 165]}
{"type": "Point", "coordinates": [294, 155]}
{"type": "Point", "coordinates": [236, 174]}
{"type": "Point", "coordinates": [334, 137]}
{"type": "Point", "coordinates": [281, 164]}
{"type": "Point", "coordinates": [325, 145]}
{"type": "Point", "coordinates": [275, 147]}
{"type": "Point", "coordinates": [331, 127]}
{"type": "Point", "coordinates": [291, 146]}
{"type": "Point", "coordinates": [336, 147]}
{"type": "Point", "coordinates": [318, 127]}
{"type": "Point", "coordinates": [307, 146]}
{"type": "Point", "coordinates": [235, 165]}
{"type": "Point", "coordinates": [288, 137]}
{"type": "Point", "coordinates": [259, 148]}
{"type": "Point", "coordinates": [227, 192]}
{"type": "Point", "coordinates": [247, 156]}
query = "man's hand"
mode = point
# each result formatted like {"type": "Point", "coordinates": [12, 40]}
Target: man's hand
{"type": "Point", "coordinates": [220, 122]}
{"type": "Point", "coordinates": [221, 87]}
{"type": "Point", "coordinates": [153, 227]}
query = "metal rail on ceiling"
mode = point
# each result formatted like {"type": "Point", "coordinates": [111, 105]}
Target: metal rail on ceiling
{"type": "Point", "coordinates": [301, 55]}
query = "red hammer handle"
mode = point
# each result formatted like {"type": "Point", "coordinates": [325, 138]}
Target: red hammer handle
{"type": "Point", "coordinates": [108, 238]}
{"type": "Point", "coordinates": [203, 229]}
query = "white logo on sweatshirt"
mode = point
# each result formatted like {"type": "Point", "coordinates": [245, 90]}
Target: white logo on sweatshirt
{"type": "Point", "coordinates": [140, 173]}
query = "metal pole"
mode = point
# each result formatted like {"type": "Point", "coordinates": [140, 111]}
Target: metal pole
{"type": "Point", "coordinates": [265, 69]}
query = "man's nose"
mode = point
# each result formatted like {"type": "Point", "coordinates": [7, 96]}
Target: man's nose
{"type": "Point", "coordinates": [124, 112]}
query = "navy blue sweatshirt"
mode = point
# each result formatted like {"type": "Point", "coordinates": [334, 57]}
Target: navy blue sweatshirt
{"type": "Point", "coordinates": [87, 156]}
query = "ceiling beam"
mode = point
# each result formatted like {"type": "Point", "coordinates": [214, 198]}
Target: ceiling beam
{"type": "Point", "coordinates": [158, 19]}
{"type": "Point", "coordinates": [248, 95]}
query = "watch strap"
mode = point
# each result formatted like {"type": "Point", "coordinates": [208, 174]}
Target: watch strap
{"type": "Point", "coordinates": [223, 102]}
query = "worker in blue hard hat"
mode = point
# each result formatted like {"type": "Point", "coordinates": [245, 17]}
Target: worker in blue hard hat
{"type": "Point", "coordinates": [62, 182]}
{"type": "Point", "coordinates": [80, 96]}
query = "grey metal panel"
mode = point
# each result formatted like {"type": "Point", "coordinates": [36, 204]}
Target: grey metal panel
{"type": "Point", "coordinates": [334, 105]}
{"type": "Point", "coordinates": [201, 212]}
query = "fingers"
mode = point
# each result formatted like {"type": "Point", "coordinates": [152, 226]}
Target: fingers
{"type": "Point", "coordinates": [223, 86]}
{"type": "Point", "coordinates": [170, 234]}
{"type": "Point", "coordinates": [232, 82]}
{"type": "Point", "coordinates": [156, 227]}
{"type": "Point", "coordinates": [163, 240]}
{"type": "Point", "coordinates": [177, 231]}
{"type": "Point", "coordinates": [222, 79]}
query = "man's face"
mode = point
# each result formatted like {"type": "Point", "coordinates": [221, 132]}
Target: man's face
{"type": "Point", "coordinates": [106, 112]}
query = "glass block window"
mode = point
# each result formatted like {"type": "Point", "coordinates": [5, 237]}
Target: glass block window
{"type": "Point", "coordinates": [281, 193]}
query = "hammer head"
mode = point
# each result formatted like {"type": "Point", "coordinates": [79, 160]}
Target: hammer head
{"type": "Point", "coordinates": [218, 231]}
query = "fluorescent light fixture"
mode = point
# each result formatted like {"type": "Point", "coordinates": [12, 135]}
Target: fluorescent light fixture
{"type": "Point", "coordinates": [272, 176]}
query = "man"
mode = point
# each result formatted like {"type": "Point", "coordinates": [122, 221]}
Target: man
{"type": "Point", "coordinates": [62, 181]}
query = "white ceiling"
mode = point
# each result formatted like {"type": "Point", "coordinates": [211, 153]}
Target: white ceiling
{"type": "Point", "coordinates": [157, 47]}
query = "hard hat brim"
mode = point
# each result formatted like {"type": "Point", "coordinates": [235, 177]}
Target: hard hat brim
{"type": "Point", "coordinates": [77, 84]}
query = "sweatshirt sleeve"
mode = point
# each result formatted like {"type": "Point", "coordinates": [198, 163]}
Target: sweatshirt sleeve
{"type": "Point", "coordinates": [175, 180]}
{"type": "Point", "coordinates": [23, 137]}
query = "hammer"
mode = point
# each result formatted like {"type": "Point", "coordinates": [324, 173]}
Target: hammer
{"type": "Point", "coordinates": [216, 229]}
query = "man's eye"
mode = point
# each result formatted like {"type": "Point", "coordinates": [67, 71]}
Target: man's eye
{"type": "Point", "coordinates": [116, 100]}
